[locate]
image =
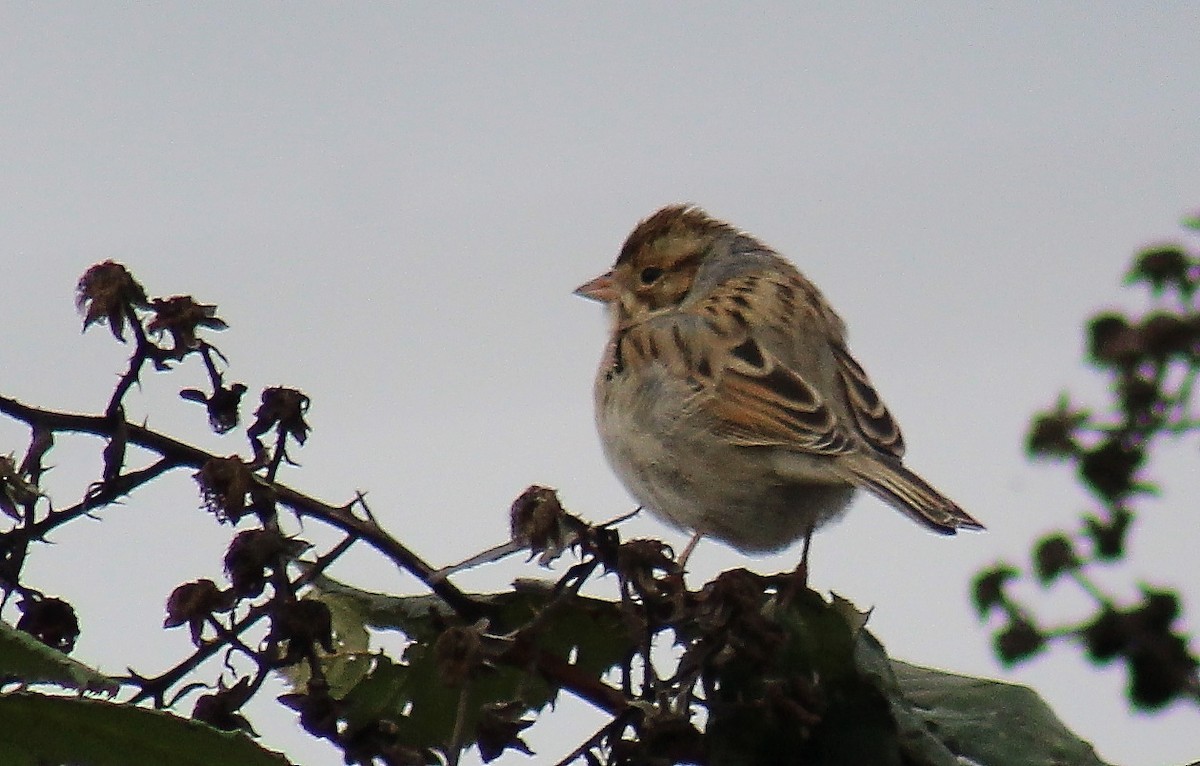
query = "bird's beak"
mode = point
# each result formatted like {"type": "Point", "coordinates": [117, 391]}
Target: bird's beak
{"type": "Point", "coordinates": [599, 289]}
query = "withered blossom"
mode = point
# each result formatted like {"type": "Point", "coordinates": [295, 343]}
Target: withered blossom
{"type": "Point", "coordinates": [15, 489]}
{"type": "Point", "coordinates": [219, 709]}
{"type": "Point", "coordinates": [222, 406]}
{"type": "Point", "coordinates": [299, 625]}
{"type": "Point", "coordinates": [284, 408]}
{"type": "Point", "coordinates": [255, 552]}
{"type": "Point", "coordinates": [195, 602]}
{"type": "Point", "coordinates": [51, 621]}
{"type": "Point", "coordinates": [225, 483]}
{"type": "Point", "coordinates": [181, 316]}
{"type": "Point", "coordinates": [108, 292]}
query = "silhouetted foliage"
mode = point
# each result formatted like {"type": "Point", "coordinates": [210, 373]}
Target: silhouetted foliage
{"type": "Point", "coordinates": [1151, 363]}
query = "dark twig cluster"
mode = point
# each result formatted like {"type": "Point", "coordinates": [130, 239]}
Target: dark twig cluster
{"type": "Point", "coordinates": [259, 562]}
{"type": "Point", "coordinates": [1152, 363]}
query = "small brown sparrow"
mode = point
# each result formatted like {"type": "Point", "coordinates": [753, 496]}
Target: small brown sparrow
{"type": "Point", "coordinates": [727, 401]}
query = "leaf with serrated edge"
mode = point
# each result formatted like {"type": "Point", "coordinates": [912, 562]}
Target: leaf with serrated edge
{"type": "Point", "coordinates": [25, 659]}
{"type": "Point", "coordinates": [39, 728]}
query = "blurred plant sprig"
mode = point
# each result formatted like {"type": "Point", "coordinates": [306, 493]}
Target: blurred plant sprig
{"type": "Point", "coordinates": [1151, 363]}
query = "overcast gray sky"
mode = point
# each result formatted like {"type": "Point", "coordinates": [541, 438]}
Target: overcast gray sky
{"type": "Point", "coordinates": [392, 203]}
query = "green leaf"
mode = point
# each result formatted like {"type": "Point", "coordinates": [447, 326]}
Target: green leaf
{"type": "Point", "coordinates": [412, 615]}
{"type": "Point", "coordinates": [413, 693]}
{"type": "Point", "coordinates": [23, 658]}
{"type": "Point", "coordinates": [589, 631]}
{"type": "Point", "coordinates": [40, 729]}
{"type": "Point", "coordinates": [984, 721]}
{"type": "Point", "coordinates": [424, 708]}
{"type": "Point", "coordinates": [945, 719]}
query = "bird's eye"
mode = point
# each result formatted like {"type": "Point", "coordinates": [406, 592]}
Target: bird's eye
{"type": "Point", "coordinates": [650, 275]}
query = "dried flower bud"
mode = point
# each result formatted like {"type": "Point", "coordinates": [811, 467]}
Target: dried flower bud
{"type": "Point", "coordinates": [282, 408]}
{"type": "Point", "coordinates": [219, 709]}
{"type": "Point", "coordinates": [107, 291]}
{"type": "Point", "coordinates": [51, 621]}
{"type": "Point", "coordinates": [255, 552]}
{"type": "Point", "coordinates": [499, 728]}
{"type": "Point", "coordinates": [459, 652]}
{"type": "Point", "coordinates": [537, 520]}
{"type": "Point", "coordinates": [301, 625]}
{"type": "Point", "coordinates": [15, 488]}
{"type": "Point", "coordinates": [181, 316]}
{"type": "Point", "coordinates": [193, 603]}
{"type": "Point", "coordinates": [222, 406]}
{"type": "Point", "coordinates": [230, 489]}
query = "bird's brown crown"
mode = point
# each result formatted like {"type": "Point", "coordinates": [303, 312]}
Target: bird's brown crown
{"type": "Point", "coordinates": [677, 228]}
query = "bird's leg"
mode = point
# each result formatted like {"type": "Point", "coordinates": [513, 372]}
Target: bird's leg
{"type": "Point", "coordinates": [687, 550]}
{"type": "Point", "coordinates": [802, 567]}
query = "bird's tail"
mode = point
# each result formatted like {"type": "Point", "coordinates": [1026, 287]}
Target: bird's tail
{"type": "Point", "coordinates": [908, 493]}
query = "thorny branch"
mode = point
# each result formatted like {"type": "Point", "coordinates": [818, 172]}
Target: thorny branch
{"type": "Point", "coordinates": [155, 688]}
{"type": "Point", "coordinates": [177, 454]}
